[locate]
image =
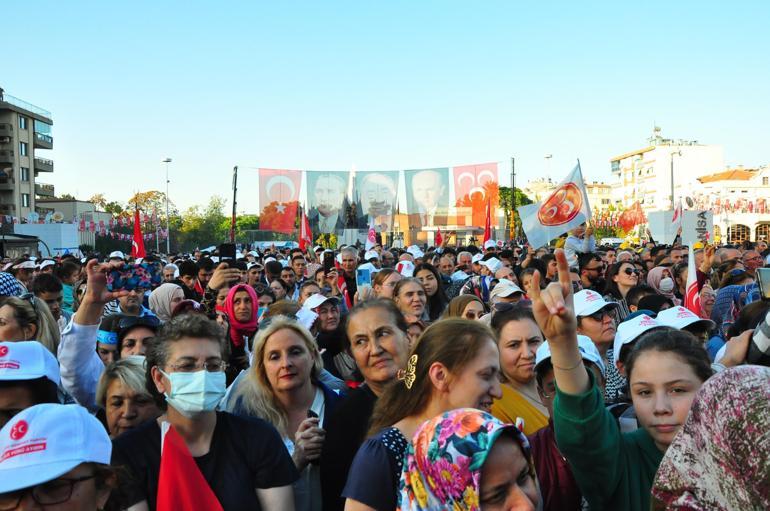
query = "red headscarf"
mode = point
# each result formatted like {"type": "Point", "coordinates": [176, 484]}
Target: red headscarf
{"type": "Point", "coordinates": [239, 329]}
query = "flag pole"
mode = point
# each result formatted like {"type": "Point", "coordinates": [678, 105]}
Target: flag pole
{"type": "Point", "coordinates": [512, 227]}
{"type": "Point", "coordinates": [235, 202]}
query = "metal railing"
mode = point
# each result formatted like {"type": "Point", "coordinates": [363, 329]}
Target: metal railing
{"type": "Point", "coordinates": [26, 106]}
{"type": "Point", "coordinates": [43, 161]}
{"type": "Point", "coordinates": [44, 138]}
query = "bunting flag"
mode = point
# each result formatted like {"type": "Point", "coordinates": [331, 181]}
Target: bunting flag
{"type": "Point", "coordinates": [692, 293]}
{"type": "Point", "coordinates": [487, 224]}
{"type": "Point", "coordinates": [181, 484]}
{"type": "Point", "coordinates": [566, 208]}
{"type": "Point", "coordinates": [305, 234]}
{"type": "Point", "coordinates": [371, 237]}
{"type": "Point", "coordinates": [439, 239]}
{"type": "Point", "coordinates": [137, 247]}
{"type": "Point", "coordinates": [278, 199]}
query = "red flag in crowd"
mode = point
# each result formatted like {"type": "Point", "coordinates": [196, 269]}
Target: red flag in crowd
{"type": "Point", "coordinates": [181, 484]}
{"type": "Point", "coordinates": [279, 199]}
{"type": "Point", "coordinates": [137, 247]}
{"type": "Point", "coordinates": [632, 217]}
{"type": "Point", "coordinates": [692, 293]}
{"type": "Point", "coordinates": [439, 239]}
{"type": "Point", "coordinates": [371, 237]}
{"type": "Point", "coordinates": [487, 225]}
{"type": "Point", "coordinates": [305, 233]}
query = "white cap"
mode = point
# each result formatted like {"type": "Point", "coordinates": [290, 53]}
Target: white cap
{"type": "Point", "coordinates": [268, 259]}
{"type": "Point", "coordinates": [504, 288]}
{"type": "Point", "coordinates": [415, 251]}
{"type": "Point", "coordinates": [27, 360]}
{"type": "Point", "coordinates": [680, 317]}
{"type": "Point", "coordinates": [214, 259]}
{"type": "Point", "coordinates": [371, 254]}
{"type": "Point", "coordinates": [458, 276]}
{"type": "Point", "coordinates": [492, 263]}
{"type": "Point", "coordinates": [477, 257]}
{"type": "Point", "coordinates": [368, 266]}
{"type": "Point", "coordinates": [25, 265]}
{"type": "Point", "coordinates": [587, 302]}
{"type": "Point", "coordinates": [317, 248]}
{"type": "Point", "coordinates": [587, 349]}
{"type": "Point", "coordinates": [46, 441]}
{"type": "Point", "coordinates": [405, 268]}
{"type": "Point", "coordinates": [630, 330]}
{"type": "Point", "coordinates": [117, 254]}
{"type": "Point", "coordinates": [317, 300]}
{"type": "Point", "coordinates": [490, 244]}
{"type": "Point", "coordinates": [252, 265]}
{"type": "Point", "coordinates": [46, 263]}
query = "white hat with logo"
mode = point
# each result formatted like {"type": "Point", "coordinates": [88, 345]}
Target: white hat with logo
{"type": "Point", "coordinates": [680, 317]}
{"type": "Point", "coordinates": [587, 349]}
{"type": "Point", "coordinates": [490, 244]}
{"type": "Point", "coordinates": [587, 302]}
{"type": "Point", "coordinates": [46, 441]}
{"type": "Point", "coordinates": [477, 258]}
{"type": "Point", "coordinates": [504, 288]}
{"type": "Point", "coordinates": [405, 268]}
{"type": "Point", "coordinates": [317, 300]}
{"type": "Point", "coordinates": [27, 360]}
{"type": "Point", "coordinates": [492, 263]}
{"type": "Point", "coordinates": [117, 254]}
{"type": "Point", "coordinates": [630, 330]}
{"type": "Point", "coordinates": [416, 252]}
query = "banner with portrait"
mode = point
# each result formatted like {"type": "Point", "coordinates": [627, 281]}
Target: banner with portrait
{"type": "Point", "coordinates": [376, 197]}
{"type": "Point", "coordinates": [329, 210]}
{"type": "Point", "coordinates": [474, 186]}
{"type": "Point", "coordinates": [278, 199]}
{"type": "Point", "coordinates": [427, 196]}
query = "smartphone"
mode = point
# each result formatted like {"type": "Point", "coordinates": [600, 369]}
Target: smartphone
{"type": "Point", "coordinates": [363, 277]}
{"type": "Point", "coordinates": [763, 281]}
{"type": "Point", "coordinates": [328, 262]}
{"type": "Point", "coordinates": [227, 251]}
{"type": "Point", "coordinates": [134, 276]}
{"type": "Point", "coordinates": [311, 414]}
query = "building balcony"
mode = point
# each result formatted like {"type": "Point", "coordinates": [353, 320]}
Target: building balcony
{"type": "Point", "coordinates": [43, 141]}
{"type": "Point", "coordinates": [7, 209]}
{"type": "Point", "coordinates": [44, 190]}
{"type": "Point", "coordinates": [6, 156]}
{"type": "Point", "coordinates": [7, 183]}
{"type": "Point", "coordinates": [6, 130]}
{"type": "Point", "coordinates": [43, 165]}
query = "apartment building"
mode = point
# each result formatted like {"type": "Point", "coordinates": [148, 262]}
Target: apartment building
{"type": "Point", "coordinates": [25, 140]}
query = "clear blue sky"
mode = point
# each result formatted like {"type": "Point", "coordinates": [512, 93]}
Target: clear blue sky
{"type": "Point", "coordinates": [378, 85]}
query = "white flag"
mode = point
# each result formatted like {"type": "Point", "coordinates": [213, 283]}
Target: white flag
{"type": "Point", "coordinates": [566, 208]}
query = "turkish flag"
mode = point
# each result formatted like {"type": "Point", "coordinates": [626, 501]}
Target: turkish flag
{"type": "Point", "coordinates": [137, 246]}
{"type": "Point", "coordinates": [439, 239]}
{"type": "Point", "coordinates": [487, 225]}
{"type": "Point", "coordinates": [279, 199]}
{"type": "Point", "coordinates": [305, 233]}
{"type": "Point", "coordinates": [692, 293]}
{"type": "Point", "coordinates": [181, 484]}
{"type": "Point", "coordinates": [474, 185]}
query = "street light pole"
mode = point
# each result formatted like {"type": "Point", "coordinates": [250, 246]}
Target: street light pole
{"type": "Point", "coordinates": [678, 153]}
{"type": "Point", "coordinates": [167, 161]}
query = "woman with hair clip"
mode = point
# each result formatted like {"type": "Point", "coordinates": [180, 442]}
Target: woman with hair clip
{"type": "Point", "coordinates": [666, 368]}
{"type": "Point", "coordinates": [455, 365]}
{"type": "Point", "coordinates": [430, 279]}
{"type": "Point", "coordinates": [27, 318]}
{"type": "Point", "coordinates": [283, 388]}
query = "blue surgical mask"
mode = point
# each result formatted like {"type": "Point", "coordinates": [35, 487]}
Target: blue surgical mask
{"type": "Point", "coordinates": [194, 393]}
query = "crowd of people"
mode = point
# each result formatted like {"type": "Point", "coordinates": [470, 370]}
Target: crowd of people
{"type": "Point", "coordinates": [429, 378]}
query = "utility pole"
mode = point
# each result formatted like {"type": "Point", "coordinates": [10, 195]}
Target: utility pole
{"type": "Point", "coordinates": [235, 202]}
{"type": "Point", "coordinates": [168, 233]}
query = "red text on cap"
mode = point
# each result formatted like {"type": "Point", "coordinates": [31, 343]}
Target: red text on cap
{"type": "Point", "coordinates": [646, 321]}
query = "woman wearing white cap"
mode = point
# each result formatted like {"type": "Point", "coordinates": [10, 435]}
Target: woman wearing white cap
{"type": "Point", "coordinates": [55, 457]}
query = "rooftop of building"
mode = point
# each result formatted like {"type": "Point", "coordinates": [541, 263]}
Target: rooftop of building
{"type": "Point", "coordinates": [739, 174]}
{"type": "Point", "coordinates": [19, 104]}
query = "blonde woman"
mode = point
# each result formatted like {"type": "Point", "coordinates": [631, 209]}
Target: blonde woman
{"type": "Point", "coordinates": [283, 388]}
{"type": "Point", "coordinates": [28, 319]}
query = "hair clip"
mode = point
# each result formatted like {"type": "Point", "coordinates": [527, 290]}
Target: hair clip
{"type": "Point", "coordinates": [408, 375]}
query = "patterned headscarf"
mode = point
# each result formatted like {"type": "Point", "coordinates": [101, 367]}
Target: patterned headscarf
{"type": "Point", "coordinates": [9, 286]}
{"type": "Point", "coordinates": [720, 460]}
{"type": "Point", "coordinates": [443, 464]}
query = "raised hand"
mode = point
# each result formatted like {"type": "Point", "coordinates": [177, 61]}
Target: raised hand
{"type": "Point", "coordinates": [223, 275]}
{"type": "Point", "coordinates": [553, 306]}
{"type": "Point", "coordinates": [96, 286]}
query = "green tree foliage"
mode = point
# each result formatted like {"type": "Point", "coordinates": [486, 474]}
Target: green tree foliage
{"type": "Point", "coordinates": [506, 204]}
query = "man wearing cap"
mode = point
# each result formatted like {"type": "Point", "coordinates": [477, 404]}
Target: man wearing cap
{"type": "Point", "coordinates": [595, 319]}
{"type": "Point", "coordinates": [329, 335]}
{"type": "Point", "coordinates": [505, 291]}
{"type": "Point", "coordinates": [29, 375]}
{"type": "Point", "coordinates": [55, 456]}
{"type": "Point", "coordinates": [557, 484]}
{"type": "Point", "coordinates": [23, 271]}
{"type": "Point", "coordinates": [682, 318]}
{"type": "Point", "coordinates": [116, 259]}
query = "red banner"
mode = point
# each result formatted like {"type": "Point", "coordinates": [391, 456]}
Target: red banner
{"type": "Point", "coordinates": [278, 198]}
{"type": "Point", "coordinates": [474, 186]}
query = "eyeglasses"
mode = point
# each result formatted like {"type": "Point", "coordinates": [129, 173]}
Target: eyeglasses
{"type": "Point", "coordinates": [53, 492]}
{"type": "Point", "coordinates": [629, 271]}
{"type": "Point", "coordinates": [191, 367]}
{"type": "Point", "coordinates": [599, 315]}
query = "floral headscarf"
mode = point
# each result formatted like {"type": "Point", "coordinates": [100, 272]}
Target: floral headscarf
{"type": "Point", "coordinates": [238, 329]}
{"type": "Point", "coordinates": [720, 460]}
{"type": "Point", "coordinates": [443, 464]}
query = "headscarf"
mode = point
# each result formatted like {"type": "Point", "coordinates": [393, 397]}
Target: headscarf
{"type": "Point", "coordinates": [458, 304]}
{"type": "Point", "coordinates": [720, 460]}
{"type": "Point", "coordinates": [653, 280]}
{"type": "Point", "coordinates": [9, 286]}
{"type": "Point", "coordinates": [238, 329]}
{"type": "Point", "coordinates": [443, 464]}
{"type": "Point", "coordinates": [160, 300]}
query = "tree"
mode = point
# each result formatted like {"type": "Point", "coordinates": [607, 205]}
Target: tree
{"type": "Point", "coordinates": [67, 196]}
{"type": "Point", "coordinates": [150, 201]}
{"type": "Point", "coordinates": [506, 203]}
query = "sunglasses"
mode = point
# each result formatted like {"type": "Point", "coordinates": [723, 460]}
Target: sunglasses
{"type": "Point", "coordinates": [629, 271]}
{"type": "Point", "coordinates": [599, 315]}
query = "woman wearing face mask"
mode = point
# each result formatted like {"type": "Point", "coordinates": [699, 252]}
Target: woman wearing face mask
{"type": "Point", "coordinates": [163, 300]}
{"type": "Point", "coordinates": [377, 341]}
{"type": "Point", "coordinates": [409, 296]}
{"type": "Point", "coordinates": [490, 464]}
{"type": "Point", "coordinates": [518, 338]}
{"type": "Point", "coordinates": [455, 365]}
{"type": "Point", "coordinates": [666, 368]}
{"type": "Point", "coordinates": [659, 278]}
{"type": "Point", "coordinates": [242, 460]}
{"type": "Point", "coordinates": [436, 298]}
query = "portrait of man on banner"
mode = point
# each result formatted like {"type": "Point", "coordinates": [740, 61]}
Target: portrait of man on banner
{"type": "Point", "coordinates": [327, 201]}
{"type": "Point", "coordinates": [376, 198]}
{"type": "Point", "coordinates": [427, 196]}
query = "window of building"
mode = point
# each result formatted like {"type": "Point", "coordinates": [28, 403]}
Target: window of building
{"type": "Point", "coordinates": [765, 181]}
{"type": "Point", "coordinates": [24, 173]}
{"type": "Point", "coordinates": [23, 148]}
{"type": "Point", "coordinates": [22, 122]}
{"type": "Point", "coordinates": [605, 201]}
{"type": "Point", "coordinates": [42, 127]}
{"type": "Point", "coordinates": [25, 200]}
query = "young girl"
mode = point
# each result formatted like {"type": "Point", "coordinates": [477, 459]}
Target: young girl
{"type": "Point", "coordinates": [455, 365]}
{"type": "Point", "coordinates": [665, 370]}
